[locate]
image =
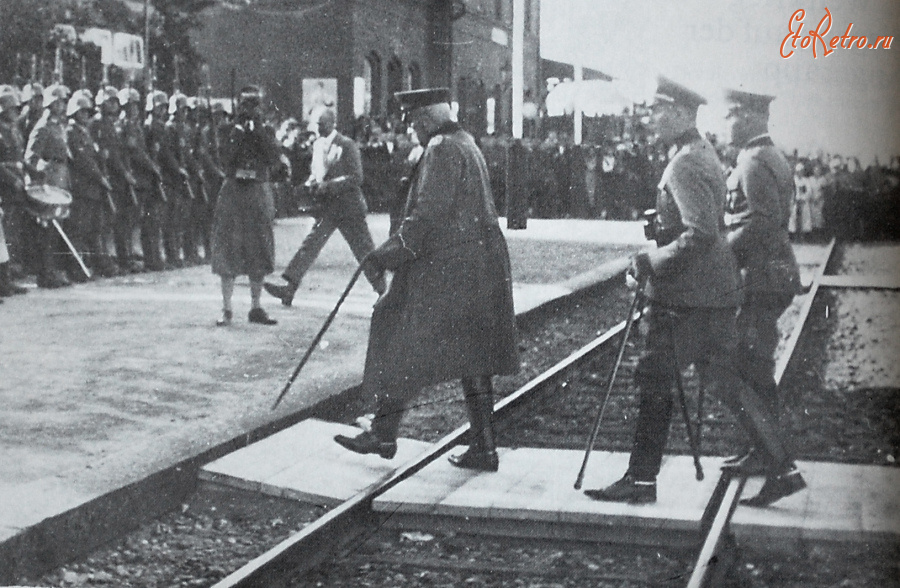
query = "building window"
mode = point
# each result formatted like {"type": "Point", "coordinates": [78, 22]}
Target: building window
{"type": "Point", "coordinates": [372, 76]}
{"type": "Point", "coordinates": [394, 84]}
{"type": "Point", "coordinates": [414, 76]}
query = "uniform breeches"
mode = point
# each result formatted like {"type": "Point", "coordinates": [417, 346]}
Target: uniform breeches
{"type": "Point", "coordinates": [354, 229]}
{"type": "Point", "coordinates": [87, 228]}
{"type": "Point", "coordinates": [173, 225]}
{"type": "Point", "coordinates": [707, 338]}
{"type": "Point", "coordinates": [757, 327]}
{"type": "Point", "coordinates": [152, 216]}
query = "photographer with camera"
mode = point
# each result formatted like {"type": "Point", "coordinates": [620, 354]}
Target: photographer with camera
{"type": "Point", "coordinates": [243, 241]}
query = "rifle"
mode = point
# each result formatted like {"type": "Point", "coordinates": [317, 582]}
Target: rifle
{"type": "Point", "coordinates": [110, 201]}
{"type": "Point", "coordinates": [190, 190]}
{"type": "Point", "coordinates": [133, 195]}
{"type": "Point", "coordinates": [162, 191]}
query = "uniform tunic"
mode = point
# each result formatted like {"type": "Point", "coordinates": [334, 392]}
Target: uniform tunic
{"type": "Point", "coordinates": [449, 311]}
{"type": "Point", "coordinates": [243, 242]}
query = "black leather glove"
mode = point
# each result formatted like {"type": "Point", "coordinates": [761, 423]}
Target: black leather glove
{"type": "Point", "coordinates": [641, 269]}
{"type": "Point", "coordinates": [390, 255]}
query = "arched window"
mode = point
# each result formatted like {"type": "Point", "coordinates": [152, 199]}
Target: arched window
{"type": "Point", "coordinates": [414, 76]}
{"type": "Point", "coordinates": [394, 84]}
{"type": "Point", "coordinates": [372, 76]}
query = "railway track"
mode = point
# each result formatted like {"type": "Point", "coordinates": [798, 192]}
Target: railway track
{"type": "Point", "coordinates": [353, 520]}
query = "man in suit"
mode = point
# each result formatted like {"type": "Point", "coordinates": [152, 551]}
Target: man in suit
{"type": "Point", "coordinates": [335, 180]}
{"type": "Point", "coordinates": [757, 210]}
{"type": "Point", "coordinates": [449, 311]}
{"type": "Point", "coordinates": [691, 283]}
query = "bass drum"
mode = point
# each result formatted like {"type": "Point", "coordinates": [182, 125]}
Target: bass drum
{"type": "Point", "coordinates": [48, 203]}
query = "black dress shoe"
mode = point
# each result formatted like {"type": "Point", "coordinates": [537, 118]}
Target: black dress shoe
{"type": "Point", "coordinates": [751, 463]}
{"type": "Point", "coordinates": [366, 442]}
{"type": "Point", "coordinates": [283, 293]}
{"type": "Point", "coordinates": [476, 459]}
{"type": "Point", "coordinates": [226, 319]}
{"type": "Point", "coordinates": [628, 489]}
{"type": "Point", "coordinates": [259, 316]}
{"type": "Point", "coordinates": [776, 488]}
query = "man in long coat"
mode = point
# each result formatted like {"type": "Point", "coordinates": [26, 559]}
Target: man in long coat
{"type": "Point", "coordinates": [449, 311]}
{"type": "Point", "coordinates": [692, 286]}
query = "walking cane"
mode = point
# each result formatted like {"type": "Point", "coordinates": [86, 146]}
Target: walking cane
{"type": "Point", "coordinates": [629, 322]}
{"type": "Point", "coordinates": [692, 439]}
{"type": "Point", "coordinates": [319, 335]}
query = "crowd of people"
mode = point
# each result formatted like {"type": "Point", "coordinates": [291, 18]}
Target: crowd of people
{"type": "Point", "coordinates": [143, 175]}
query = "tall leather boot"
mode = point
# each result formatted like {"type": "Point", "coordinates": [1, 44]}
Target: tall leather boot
{"type": "Point", "coordinates": [7, 286]}
{"type": "Point", "coordinates": [482, 452]}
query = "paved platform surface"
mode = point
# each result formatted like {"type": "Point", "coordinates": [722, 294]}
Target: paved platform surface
{"type": "Point", "coordinates": [106, 383]}
{"type": "Point", "coordinates": [533, 492]}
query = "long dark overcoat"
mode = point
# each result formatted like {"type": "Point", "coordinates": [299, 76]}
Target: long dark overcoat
{"type": "Point", "coordinates": [449, 311]}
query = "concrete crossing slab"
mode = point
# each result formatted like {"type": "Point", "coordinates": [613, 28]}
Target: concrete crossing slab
{"type": "Point", "coordinates": [303, 462]}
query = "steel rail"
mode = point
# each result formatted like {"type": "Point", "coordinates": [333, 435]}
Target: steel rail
{"type": "Point", "coordinates": [353, 518]}
{"type": "Point", "coordinates": [724, 501]}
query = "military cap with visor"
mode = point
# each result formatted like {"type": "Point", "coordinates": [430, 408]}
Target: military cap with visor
{"type": "Point", "coordinates": [410, 100]}
{"type": "Point", "coordinates": [671, 92]}
{"type": "Point", "coordinates": [739, 100]}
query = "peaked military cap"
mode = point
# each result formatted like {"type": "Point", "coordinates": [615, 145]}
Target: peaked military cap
{"type": "Point", "coordinates": [749, 100]}
{"type": "Point", "coordinates": [412, 99]}
{"type": "Point", "coordinates": [675, 93]}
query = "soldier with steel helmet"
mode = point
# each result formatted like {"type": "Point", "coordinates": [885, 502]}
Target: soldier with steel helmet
{"type": "Point", "coordinates": [107, 132]}
{"type": "Point", "coordinates": [32, 107]}
{"type": "Point", "coordinates": [47, 162]}
{"type": "Point", "coordinates": [92, 204]}
{"type": "Point", "coordinates": [197, 220]}
{"type": "Point", "coordinates": [175, 160]}
{"type": "Point", "coordinates": [691, 283]}
{"type": "Point", "coordinates": [12, 189]}
{"type": "Point", "coordinates": [207, 152]}
{"type": "Point", "coordinates": [243, 242]}
{"type": "Point", "coordinates": [157, 209]}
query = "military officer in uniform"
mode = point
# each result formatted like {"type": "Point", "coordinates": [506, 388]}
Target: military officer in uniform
{"type": "Point", "coordinates": [174, 160]}
{"type": "Point", "coordinates": [33, 107]}
{"type": "Point", "coordinates": [449, 311]}
{"type": "Point", "coordinates": [757, 211]}
{"type": "Point", "coordinates": [107, 132]}
{"type": "Point", "coordinates": [47, 162]}
{"type": "Point", "coordinates": [691, 283]}
{"type": "Point", "coordinates": [92, 213]}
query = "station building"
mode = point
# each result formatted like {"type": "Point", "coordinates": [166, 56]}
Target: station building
{"type": "Point", "coordinates": [355, 54]}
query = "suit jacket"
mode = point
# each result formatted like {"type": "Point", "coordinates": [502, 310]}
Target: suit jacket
{"type": "Point", "coordinates": [342, 193]}
{"type": "Point", "coordinates": [760, 193]}
{"type": "Point", "coordinates": [693, 265]}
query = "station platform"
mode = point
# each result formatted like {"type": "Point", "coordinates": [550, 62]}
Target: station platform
{"type": "Point", "coordinates": [116, 391]}
{"type": "Point", "coordinates": [533, 495]}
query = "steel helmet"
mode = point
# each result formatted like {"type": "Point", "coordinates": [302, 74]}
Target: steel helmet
{"type": "Point", "coordinates": [156, 98]}
{"type": "Point", "coordinates": [129, 96]}
{"type": "Point", "coordinates": [55, 92]}
{"type": "Point", "coordinates": [31, 90]}
{"type": "Point", "coordinates": [176, 101]}
{"type": "Point", "coordinates": [79, 101]}
{"type": "Point", "coordinates": [9, 98]}
{"type": "Point", "coordinates": [106, 94]}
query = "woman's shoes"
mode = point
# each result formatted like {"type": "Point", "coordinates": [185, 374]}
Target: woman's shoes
{"type": "Point", "coordinates": [226, 319]}
{"type": "Point", "coordinates": [259, 316]}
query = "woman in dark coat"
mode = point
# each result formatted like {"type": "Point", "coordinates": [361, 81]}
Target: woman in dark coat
{"type": "Point", "coordinates": [243, 242]}
{"type": "Point", "coordinates": [449, 311]}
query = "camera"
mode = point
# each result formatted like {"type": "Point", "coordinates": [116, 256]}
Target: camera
{"type": "Point", "coordinates": [650, 228]}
